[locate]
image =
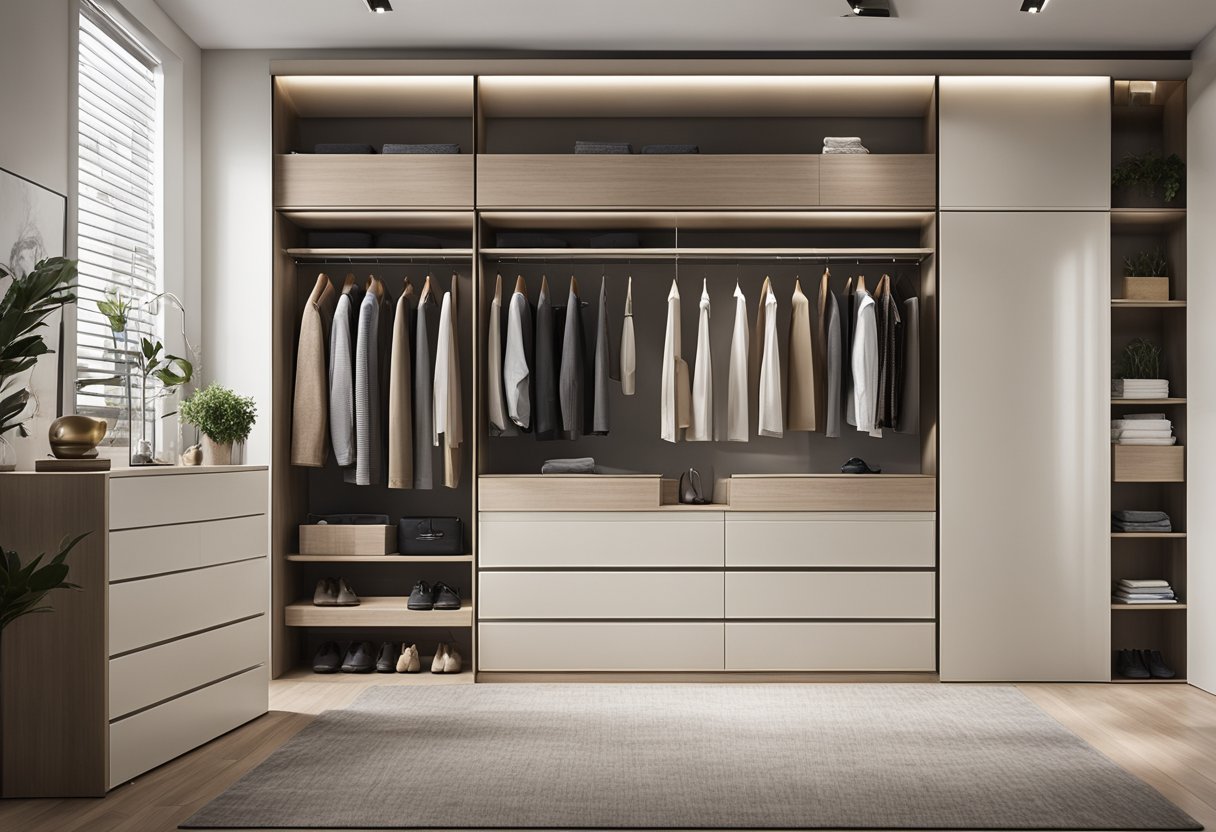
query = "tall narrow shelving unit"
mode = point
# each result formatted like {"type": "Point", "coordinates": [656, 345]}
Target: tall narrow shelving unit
{"type": "Point", "coordinates": [1150, 117]}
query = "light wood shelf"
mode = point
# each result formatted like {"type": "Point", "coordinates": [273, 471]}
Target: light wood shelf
{"type": "Point", "coordinates": [1119, 680]}
{"type": "Point", "coordinates": [1140, 219]}
{"type": "Point", "coordinates": [329, 218]}
{"type": "Point", "coordinates": [1146, 607]}
{"type": "Point", "coordinates": [423, 679]}
{"type": "Point", "coordinates": [374, 180]}
{"type": "Point", "coordinates": [733, 254]}
{"type": "Point", "coordinates": [376, 611]}
{"type": "Point", "coordinates": [383, 559]}
{"type": "Point", "coordinates": [1147, 535]}
{"type": "Point", "coordinates": [710, 220]}
{"type": "Point", "coordinates": [379, 254]}
{"type": "Point", "coordinates": [1121, 303]}
{"type": "Point", "coordinates": [1174, 401]}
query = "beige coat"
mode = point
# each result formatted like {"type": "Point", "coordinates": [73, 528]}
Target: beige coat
{"type": "Point", "coordinates": [401, 396]}
{"type": "Point", "coordinates": [310, 406]}
{"type": "Point", "coordinates": [803, 378]}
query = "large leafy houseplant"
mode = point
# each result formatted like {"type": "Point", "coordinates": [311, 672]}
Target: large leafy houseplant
{"type": "Point", "coordinates": [1150, 171]}
{"type": "Point", "coordinates": [24, 587]}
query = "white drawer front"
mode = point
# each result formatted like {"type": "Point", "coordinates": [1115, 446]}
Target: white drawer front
{"type": "Point", "coordinates": [135, 553]}
{"type": "Point", "coordinates": [512, 646]}
{"type": "Point", "coordinates": [157, 735]}
{"type": "Point", "coordinates": [830, 594]}
{"type": "Point", "coordinates": [140, 679]}
{"type": "Point", "coordinates": [647, 539]}
{"type": "Point", "coordinates": [156, 609]}
{"type": "Point", "coordinates": [832, 646]}
{"type": "Point", "coordinates": [185, 498]}
{"type": "Point", "coordinates": [600, 595]}
{"type": "Point", "coordinates": [878, 539]}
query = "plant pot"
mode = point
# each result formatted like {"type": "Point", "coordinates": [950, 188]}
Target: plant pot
{"type": "Point", "coordinates": [8, 455]}
{"type": "Point", "coordinates": [1146, 288]}
{"type": "Point", "coordinates": [216, 453]}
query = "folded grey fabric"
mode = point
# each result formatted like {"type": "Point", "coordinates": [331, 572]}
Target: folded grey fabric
{"type": "Point", "coordinates": [602, 147]}
{"type": "Point", "coordinates": [339, 239]}
{"type": "Point", "coordinates": [1123, 593]}
{"type": "Point", "coordinates": [340, 147]}
{"type": "Point", "coordinates": [401, 239]}
{"type": "Point", "coordinates": [842, 141]}
{"type": "Point", "coordinates": [616, 239]}
{"type": "Point", "coordinates": [420, 148]}
{"type": "Point", "coordinates": [528, 239]}
{"type": "Point", "coordinates": [844, 151]}
{"type": "Point", "coordinates": [1141, 528]}
{"type": "Point", "coordinates": [1133, 516]}
{"type": "Point", "coordinates": [577, 465]}
{"type": "Point", "coordinates": [670, 148]}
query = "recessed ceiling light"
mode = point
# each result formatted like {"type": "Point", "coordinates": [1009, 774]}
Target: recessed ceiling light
{"type": "Point", "coordinates": [379, 6]}
{"type": "Point", "coordinates": [870, 8]}
{"type": "Point", "coordinates": [1034, 6]}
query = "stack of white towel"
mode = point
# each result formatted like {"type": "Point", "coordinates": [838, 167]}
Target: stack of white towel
{"type": "Point", "coordinates": [1143, 591]}
{"type": "Point", "coordinates": [1142, 429]}
{"type": "Point", "coordinates": [1139, 388]}
{"type": "Point", "coordinates": [843, 144]}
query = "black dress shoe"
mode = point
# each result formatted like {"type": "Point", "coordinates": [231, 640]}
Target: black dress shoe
{"type": "Point", "coordinates": [421, 597]}
{"type": "Point", "coordinates": [1155, 662]}
{"type": "Point", "coordinates": [446, 598]}
{"type": "Point", "coordinates": [857, 465]}
{"type": "Point", "coordinates": [690, 488]}
{"type": "Point", "coordinates": [1129, 665]}
{"type": "Point", "coordinates": [328, 658]}
{"type": "Point", "coordinates": [386, 662]}
{"type": "Point", "coordinates": [360, 658]}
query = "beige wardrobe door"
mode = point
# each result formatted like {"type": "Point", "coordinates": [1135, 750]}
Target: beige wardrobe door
{"type": "Point", "coordinates": [1025, 446]}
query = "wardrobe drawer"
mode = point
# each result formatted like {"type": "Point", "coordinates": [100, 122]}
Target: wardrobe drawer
{"type": "Point", "coordinates": [1148, 463]}
{"type": "Point", "coordinates": [508, 646]}
{"type": "Point", "coordinates": [161, 500]}
{"type": "Point", "coordinates": [146, 677]}
{"type": "Point", "coordinates": [830, 594]}
{"type": "Point", "coordinates": [600, 595]}
{"type": "Point", "coordinates": [832, 646]}
{"type": "Point", "coordinates": [834, 492]}
{"type": "Point", "coordinates": [390, 180]}
{"type": "Point", "coordinates": [144, 740]}
{"type": "Point", "coordinates": [573, 492]}
{"type": "Point", "coordinates": [600, 539]}
{"type": "Point", "coordinates": [155, 550]}
{"type": "Point", "coordinates": [894, 539]}
{"type": "Point", "coordinates": [153, 610]}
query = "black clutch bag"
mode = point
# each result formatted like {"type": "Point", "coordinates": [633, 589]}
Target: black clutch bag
{"type": "Point", "coordinates": [430, 536]}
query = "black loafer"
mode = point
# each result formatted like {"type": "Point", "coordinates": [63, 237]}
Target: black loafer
{"type": "Point", "coordinates": [328, 658]}
{"type": "Point", "coordinates": [857, 465]}
{"type": "Point", "coordinates": [360, 658]}
{"type": "Point", "coordinates": [1129, 665]}
{"type": "Point", "coordinates": [446, 598]}
{"type": "Point", "coordinates": [386, 662]}
{"type": "Point", "coordinates": [421, 597]}
{"type": "Point", "coordinates": [1155, 662]}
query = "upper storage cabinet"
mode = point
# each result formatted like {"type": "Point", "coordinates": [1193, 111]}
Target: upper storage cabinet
{"type": "Point", "coordinates": [680, 142]}
{"type": "Point", "coordinates": [1025, 143]}
{"type": "Point", "coordinates": [373, 142]}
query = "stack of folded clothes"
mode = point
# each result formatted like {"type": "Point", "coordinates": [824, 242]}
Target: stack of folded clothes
{"type": "Point", "coordinates": [1140, 521]}
{"type": "Point", "coordinates": [1140, 388]}
{"type": "Point", "coordinates": [602, 147]}
{"type": "Point", "coordinates": [577, 465]}
{"type": "Point", "coordinates": [1142, 429]}
{"type": "Point", "coordinates": [1143, 591]}
{"type": "Point", "coordinates": [843, 144]}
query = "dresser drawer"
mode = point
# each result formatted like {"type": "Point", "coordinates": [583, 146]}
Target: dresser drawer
{"type": "Point", "coordinates": [136, 553]}
{"type": "Point", "coordinates": [153, 610]}
{"type": "Point", "coordinates": [600, 595]}
{"type": "Point", "coordinates": [832, 646]}
{"type": "Point", "coordinates": [831, 539]}
{"type": "Point", "coordinates": [146, 677]}
{"type": "Point", "coordinates": [163, 499]}
{"type": "Point", "coordinates": [511, 646]}
{"type": "Point", "coordinates": [830, 594]}
{"type": "Point", "coordinates": [146, 739]}
{"type": "Point", "coordinates": [625, 539]}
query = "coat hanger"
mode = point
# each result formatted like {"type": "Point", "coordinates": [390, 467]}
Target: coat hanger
{"type": "Point", "coordinates": [407, 288]}
{"type": "Point", "coordinates": [452, 291]}
{"type": "Point", "coordinates": [498, 288]}
{"type": "Point", "coordinates": [349, 283]}
{"type": "Point", "coordinates": [426, 290]}
{"type": "Point", "coordinates": [521, 286]}
{"type": "Point", "coordinates": [574, 284]}
{"type": "Point", "coordinates": [861, 283]}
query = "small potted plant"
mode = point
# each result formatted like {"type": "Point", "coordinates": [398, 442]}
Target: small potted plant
{"type": "Point", "coordinates": [1138, 372]}
{"type": "Point", "coordinates": [222, 417]}
{"type": "Point", "coordinates": [1146, 276]}
{"type": "Point", "coordinates": [1143, 174]}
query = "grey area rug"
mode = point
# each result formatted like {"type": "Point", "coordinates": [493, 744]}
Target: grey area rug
{"type": "Point", "coordinates": [912, 756]}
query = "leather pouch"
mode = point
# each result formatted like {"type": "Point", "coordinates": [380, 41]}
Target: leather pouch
{"type": "Point", "coordinates": [430, 536]}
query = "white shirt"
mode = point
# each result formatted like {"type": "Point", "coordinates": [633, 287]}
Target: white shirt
{"type": "Point", "coordinates": [673, 389]}
{"type": "Point", "coordinates": [629, 360]}
{"type": "Point", "coordinates": [701, 426]}
{"type": "Point", "coordinates": [516, 379]}
{"type": "Point", "coordinates": [495, 403]}
{"type": "Point", "coordinates": [447, 406]}
{"type": "Point", "coordinates": [770, 420]}
{"type": "Point", "coordinates": [737, 428]}
{"type": "Point", "coordinates": [865, 365]}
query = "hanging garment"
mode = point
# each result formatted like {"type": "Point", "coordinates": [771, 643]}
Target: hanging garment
{"type": "Point", "coordinates": [802, 364]}
{"type": "Point", "coordinates": [342, 373]}
{"type": "Point", "coordinates": [599, 409]}
{"type": "Point", "coordinates": [447, 419]}
{"type": "Point", "coordinates": [628, 346]}
{"type": "Point", "coordinates": [909, 407]}
{"type": "Point", "coordinates": [496, 404]}
{"type": "Point", "coordinates": [848, 303]}
{"type": "Point", "coordinates": [701, 426]}
{"type": "Point", "coordinates": [821, 350]}
{"type": "Point", "coordinates": [829, 316]}
{"type": "Point", "coordinates": [401, 394]}
{"type": "Point", "coordinates": [768, 419]}
{"type": "Point", "coordinates": [310, 405]}
{"type": "Point", "coordinates": [865, 362]}
{"type": "Point", "coordinates": [371, 382]}
{"type": "Point", "coordinates": [674, 394]}
{"type": "Point", "coordinates": [737, 428]}
{"type": "Point", "coordinates": [890, 347]}
{"type": "Point", "coordinates": [517, 362]}
{"type": "Point", "coordinates": [571, 381]}
{"type": "Point", "coordinates": [426, 334]}
{"type": "Point", "coordinates": [756, 355]}
{"type": "Point", "coordinates": [547, 415]}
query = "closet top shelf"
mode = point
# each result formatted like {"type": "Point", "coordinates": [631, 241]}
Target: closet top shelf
{"type": "Point", "coordinates": [377, 255]}
{"type": "Point", "coordinates": [915, 255]}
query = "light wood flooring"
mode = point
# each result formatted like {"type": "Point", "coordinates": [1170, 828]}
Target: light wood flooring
{"type": "Point", "coordinates": [1165, 734]}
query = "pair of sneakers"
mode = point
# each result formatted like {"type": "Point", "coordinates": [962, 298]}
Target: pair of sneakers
{"type": "Point", "coordinates": [359, 657]}
{"type": "Point", "coordinates": [438, 597]}
{"type": "Point", "coordinates": [332, 592]}
{"type": "Point", "coordinates": [1142, 664]}
{"type": "Point", "coordinates": [447, 659]}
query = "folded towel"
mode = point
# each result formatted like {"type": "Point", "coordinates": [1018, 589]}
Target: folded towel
{"type": "Point", "coordinates": [830, 151]}
{"type": "Point", "coordinates": [1140, 583]}
{"type": "Point", "coordinates": [1119, 600]}
{"type": "Point", "coordinates": [842, 141]}
{"type": "Point", "coordinates": [1161, 598]}
{"type": "Point", "coordinates": [528, 239]}
{"type": "Point", "coordinates": [341, 147]}
{"type": "Point", "coordinates": [1141, 424]}
{"type": "Point", "coordinates": [1139, 515]}
{"type": "Point", "coordinates": [1141, 434]}
{"type": "Point", "coordinates": [670, 148]}
{"type": "Point", "coordinates": [402, 239]}
{"type": "Point", "coordinates": [1147, 417]}
{"type": "Point", "coordinates": [602, 147]}
{"type": "Point", "coordinates": [1171, 441]}
{"type": "Point", "coordinates": [577, 465]}
{"type": "Point", "coordinates": [616, 239]}
{"type": "Point", "coordinates": [421, 148]}
{"type": "Point", "coordinates": [339, 239]}
{"type": "Point", "coordinates": [1141, 528]}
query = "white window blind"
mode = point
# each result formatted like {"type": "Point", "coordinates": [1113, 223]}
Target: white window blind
{"type": "Point", "coordinates": [118, 210]}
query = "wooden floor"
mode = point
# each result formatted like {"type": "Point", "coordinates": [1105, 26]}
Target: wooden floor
{"type": "Point", "coordinates": [1165, 734]}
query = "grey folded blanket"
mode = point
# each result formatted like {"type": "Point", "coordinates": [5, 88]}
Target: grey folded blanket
{"type": "Point", "coordinates": [421, 148]}
{"type": "Point", "coordinates": [670, 148]}
{"type": "Point", "coordinates": [342, 147]}
{"type": "Point", "coordinates": [602, 147]}
{"type": "Point", "coordinates": [577, 465]}
{"type": "Point", "coordinates": [1142, 527]}
{"type": "Point", "coordinates": [1127, 516]}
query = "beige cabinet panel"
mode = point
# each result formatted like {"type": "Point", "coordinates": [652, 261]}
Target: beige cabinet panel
{"type": "Point", "coordinates": [185, 498]}
{"type": "Point", "coordinates": [585, 646]}
{"type": "Point", "coordinates": [1029, 143]}
{"type": "Point", "coordinates": [881, 180]}
{"type": "Point", "coordinates": [581, 539]}
{"type": "Point", "coordinates": [155, 550]}
{"type": "Point", "coordinates": [600, 595]}
{"type": "Point", "coordinates": [831, 646]}
{"type": "Point", "coordinates": [831, 539]}
{"type": "Point", "coordinates": [771, 594]}
{"type": "Point", "coordinates": [1025, 446]}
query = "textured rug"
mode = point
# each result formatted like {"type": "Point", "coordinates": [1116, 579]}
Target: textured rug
{"type": "Point", "coordinates": [911, 756]}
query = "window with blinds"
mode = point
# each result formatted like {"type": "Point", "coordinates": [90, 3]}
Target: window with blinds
{"type": "Point", "coordinates": [118, 214]}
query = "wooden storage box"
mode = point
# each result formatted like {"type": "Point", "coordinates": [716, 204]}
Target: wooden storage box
{"type": "Point", "coordinates": [374, 180]}
{"type": "Point", "coordinates": [348, 540]}
{"type": "Point", "coordinates": [1146, 288]}
{"type": "Point", "coordinates": [572, 492]}
{"type": "Point", "coordinates": [878, 180]}
{"type": "Point", "coordinates": [1148, 463]}
{"type": "Point", "coordinates": [834, 492]}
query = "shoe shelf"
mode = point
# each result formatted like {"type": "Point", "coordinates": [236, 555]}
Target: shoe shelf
{"type": "Point", "coordinates": [1147, 607]}
{"type": "Point", "coordinates": [424, 677]}
{"type": "Point", "coordinates": [381, 559]}
{"type": "Point", "coordinates": [1148, 535]}
{"type": "Point", "coordinates": [1119, 680]}
{"type": "Point", "coordinates": [1139, 402]}
{"type": "Point", "coordinates": [376, 611]}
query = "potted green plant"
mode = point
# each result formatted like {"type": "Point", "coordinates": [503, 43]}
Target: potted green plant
{"type": "Point", "coordinates": [222, 417]}
{"type": "Point", "coordinates": [23, 587]}
{"type": "Point", "coordinates": [26, 305]}
{"type": "Point", "coordinates": [1138, 372]}
{"type": "Point", "coordinates": [1146, 276]}
{"type": "Point", "coordinates": [1145, 173]}
{"type": "Point", "coordinates": [172, 371]}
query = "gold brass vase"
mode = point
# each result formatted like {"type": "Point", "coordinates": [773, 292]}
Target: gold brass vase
{"type": "Point", "coordinates": [76, 437]}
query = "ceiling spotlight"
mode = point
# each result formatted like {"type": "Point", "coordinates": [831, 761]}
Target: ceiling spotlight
{"type": "Point", "coordinates": [379, 6]}
{"type": "Point", "coordinates": [870, 8]}
{"type": "Point", "coordinates": [1034, 6]}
